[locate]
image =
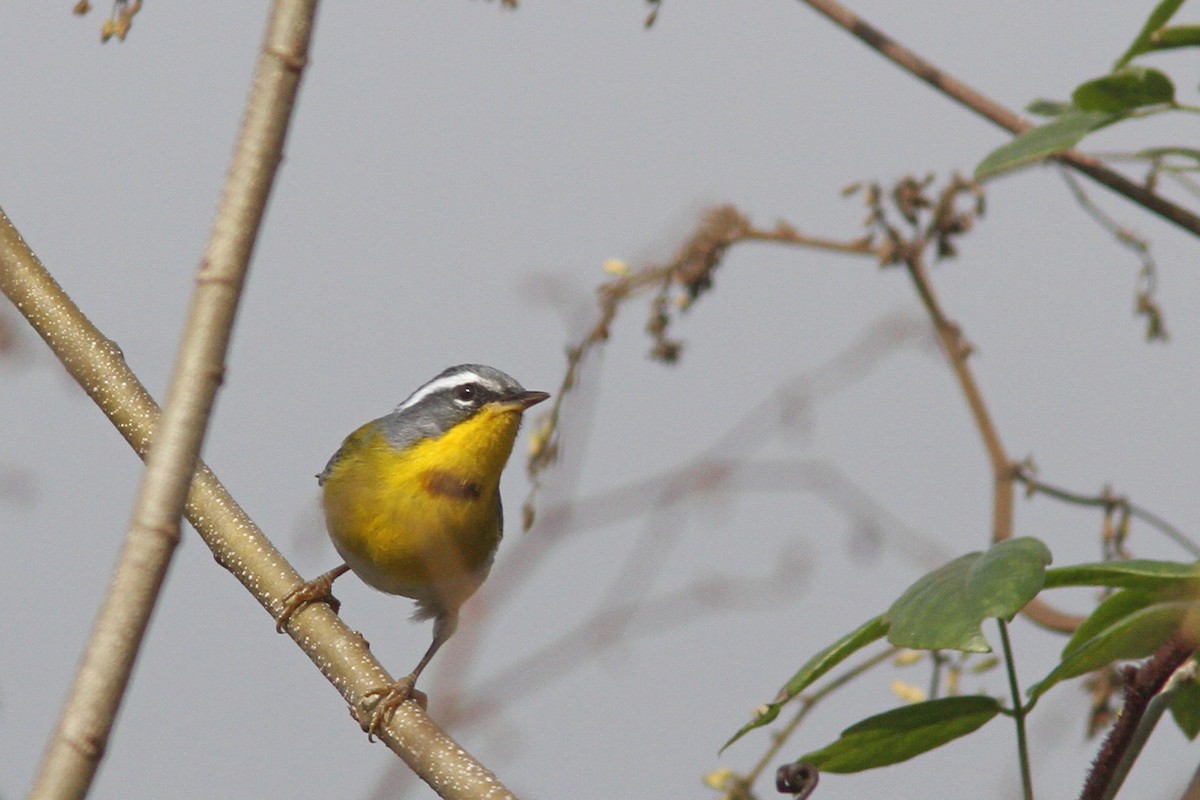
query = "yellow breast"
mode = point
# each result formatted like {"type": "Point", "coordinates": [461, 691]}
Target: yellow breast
{"type": "Point", "coordinates": [423, 522]}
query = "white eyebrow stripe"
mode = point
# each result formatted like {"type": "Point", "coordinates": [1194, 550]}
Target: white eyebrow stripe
{"type": "Point", "coordinates": [438, 384]}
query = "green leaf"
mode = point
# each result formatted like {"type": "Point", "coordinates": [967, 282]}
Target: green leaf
{"type": "Point", "coordinates": [900, 734]}
{"type": "Point", "coordinates": [1159, 17]}
{"type": "Point", "coordinates": [1035, 144]}
{"type": "Point", "coordinates": [1109, 612]}
{"type": "Point", "coordinates": [945, 609]}
{"type": "Point", "coordinates": [1132, 574]}
{"type": "Point", "coordinates": [1185, 708]}
{"type": "Point", "coordinates": [1124, 90]}
{"type": "Point", "coordinates": [814, 668]}
{"type": "Point", "coordinates": [1048, 108]}
{"type": "Point", "coordinates": [1135, 635]}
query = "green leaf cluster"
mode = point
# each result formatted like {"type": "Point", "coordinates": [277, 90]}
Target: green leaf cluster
{"type": "Point", "coordinates": [1127, 91]}
{"type": "Point", "coordinates": [945, 609]}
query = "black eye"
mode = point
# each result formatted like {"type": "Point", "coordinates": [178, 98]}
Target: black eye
{"type": "Point", "coordinates": [465, 393]}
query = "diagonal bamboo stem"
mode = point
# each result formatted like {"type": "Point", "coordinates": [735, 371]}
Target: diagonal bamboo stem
{"type": "Point", "coordinates": [236, 542]}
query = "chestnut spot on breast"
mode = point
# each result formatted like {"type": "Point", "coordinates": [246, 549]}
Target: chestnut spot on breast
{"type": "Point", "coordinates": [447, 485]}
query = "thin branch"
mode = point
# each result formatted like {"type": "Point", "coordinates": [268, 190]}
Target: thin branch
{"type": "Point", "coordinates": [927, 221]}
{"type": "Point", "coordinates": [1106, 500]}
{"type": "Point", "coordinates": [691, 272]}
{"type": "Point", "coordinates": [1145, 305]}
{"type": "Point", "coordinates": [986, 107]}
{"type": "Point", "coordinates": [81, 736]}
{"type": "Point", "coordinates": [1124, 236]}
{"type": "Point", "coordinates": [956, 350]}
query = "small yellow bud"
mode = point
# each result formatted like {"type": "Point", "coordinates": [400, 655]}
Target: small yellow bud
{"type": "Point", "coordinates": [907, 692]}
{"type": "Point", "coordinates": [537, 440]}
{"type": "Point", "coordinates": [615, 266]}
{"type": "Point", "coordinates": [719, 778]}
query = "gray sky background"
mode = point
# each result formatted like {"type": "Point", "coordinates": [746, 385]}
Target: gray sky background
{"type": "Point", "coordinates": [454, 180]}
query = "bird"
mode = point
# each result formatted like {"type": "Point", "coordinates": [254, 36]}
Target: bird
{"type": "Point", "coordinates": [412, 504]}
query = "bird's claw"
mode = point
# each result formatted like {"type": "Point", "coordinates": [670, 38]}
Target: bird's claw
{"type": "Point", "coordinates": [390, 699]}
{"type": "Point", "coordinates": [318, 589]}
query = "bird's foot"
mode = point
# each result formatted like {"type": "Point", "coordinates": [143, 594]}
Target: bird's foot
{"type": "Point", "coordinates": [319, 588]}
{"type": "Point", "coordinates": [390, 699]}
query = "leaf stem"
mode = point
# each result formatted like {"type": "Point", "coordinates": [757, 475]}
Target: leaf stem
{"type": "Point", "coordinates": [1018, 711]}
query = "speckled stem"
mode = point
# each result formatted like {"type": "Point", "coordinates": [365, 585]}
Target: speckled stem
{"type": "Point", "coordinates": [236, 542]}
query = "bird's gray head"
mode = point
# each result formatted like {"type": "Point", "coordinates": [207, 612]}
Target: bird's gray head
{"type": "Point", "coordinates": [453, 396]}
